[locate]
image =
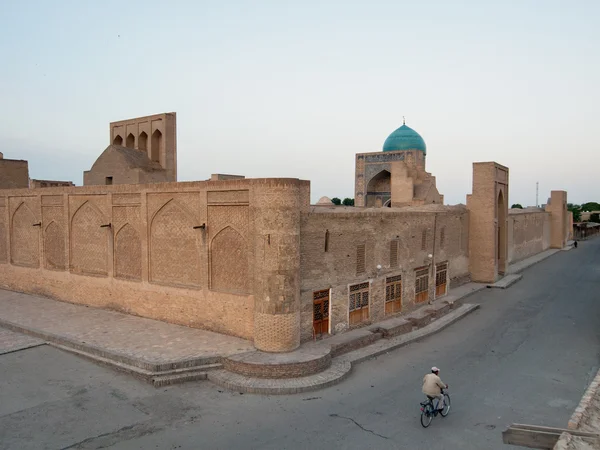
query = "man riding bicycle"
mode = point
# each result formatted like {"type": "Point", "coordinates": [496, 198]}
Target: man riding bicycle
{"type": "Point", "coordinates": [433, 385]}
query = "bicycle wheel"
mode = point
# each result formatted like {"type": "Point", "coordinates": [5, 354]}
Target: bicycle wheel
{"type": "Point", "coordinates": [426, 416]}
{"type": "Point", "coordinates": [444, 412]}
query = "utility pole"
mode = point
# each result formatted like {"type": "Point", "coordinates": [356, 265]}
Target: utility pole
{"type": "Point", "coordinates": [537, 190]}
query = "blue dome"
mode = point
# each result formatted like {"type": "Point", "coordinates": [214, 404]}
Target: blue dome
{"type": "Point", "coordinates": [404, 138]}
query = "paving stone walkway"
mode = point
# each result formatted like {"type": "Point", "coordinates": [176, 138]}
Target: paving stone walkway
{"type": "Point", "coordinates": [122, 334]}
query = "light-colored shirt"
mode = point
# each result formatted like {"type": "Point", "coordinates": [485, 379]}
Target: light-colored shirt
{"type": "Point", "coordinates": [433, 385]}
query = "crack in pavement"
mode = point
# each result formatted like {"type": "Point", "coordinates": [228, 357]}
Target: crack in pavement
{"type": "Point", "coordinates": [359, 425]}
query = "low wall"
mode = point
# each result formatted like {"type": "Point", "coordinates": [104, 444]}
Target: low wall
{"type": "Point", "coordinates": [528, 233]}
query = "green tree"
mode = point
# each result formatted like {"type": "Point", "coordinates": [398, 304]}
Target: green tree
{"type": "Point", "coordinates": [517, 206]}
{"type": "Point", "coordinates": [576, 210]}
{"type": "Point", "coordinates": [348, 202]}
{"type": "Point", "coordinates": [336, 201]}
{"type": "Point", "coordinates": [590, 206]}
{"type": "Point", "coordinates": [595, 218]}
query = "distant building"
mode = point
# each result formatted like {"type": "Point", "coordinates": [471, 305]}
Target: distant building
{"type": "Point", "coordinates": [14, 173]}
{"type": "Point", "coordinates": [396, 176]}
{"type": "Point", "coordinates": [141, 150]}
{"type": "Point", "coordinates": [49, 183]}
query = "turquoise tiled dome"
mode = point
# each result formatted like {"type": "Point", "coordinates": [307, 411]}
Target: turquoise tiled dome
{"type": "Point", "coordinates": [404, 138]}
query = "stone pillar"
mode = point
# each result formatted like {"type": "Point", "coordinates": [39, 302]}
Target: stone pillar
{"type": "Point", "coordinates": [276, 206]}
{"type": "Point", "coordinates": [557, 207]}
{"type": "Point", "coordinates": [488, 215]}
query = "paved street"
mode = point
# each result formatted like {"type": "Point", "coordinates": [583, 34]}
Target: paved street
{"type": "Point", "coordinates": [525, 356]}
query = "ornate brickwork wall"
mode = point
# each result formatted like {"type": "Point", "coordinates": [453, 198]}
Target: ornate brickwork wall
{"type": "Point", "coordinates": [25, 233]}
{"type": "Point", "coordinates": [89, 239]}
{"type": "Point", "coordinates": [180, 252]}
{"type": "Point", "coordinates": [174, 252]}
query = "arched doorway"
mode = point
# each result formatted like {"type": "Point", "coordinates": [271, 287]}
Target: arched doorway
{"type": "Point", "coordinates": [502, 231]}
{"type": "Point", "coordinates": [118, 140]}
{"type": "Point", "coordinates": [143, 141]}
{"type": "Point", "coordinates": [156, 148]}
{"type": "Point", "coordinates": [130, 142]}
{"type": "Point", "coordinates": [379, 190]}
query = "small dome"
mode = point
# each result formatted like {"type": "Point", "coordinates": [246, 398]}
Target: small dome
{"type": "Point", "coordinates": [324, 201]}
{"type": "Point", "coordinates": [404, 138]}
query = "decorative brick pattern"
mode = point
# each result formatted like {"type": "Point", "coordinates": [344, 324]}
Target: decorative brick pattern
{"type": "Point", "coordinates": [229, 262]}
{"type": "Point", "coordinates": [89, 241]}
{"type": "Point", "coordinates": [25, 248]}
{"type": "Point", "coordinates": [276, 332]}
{"type": "Point", "coordinates": [3, 236]}
{"type": "Point", "coordinates": [54, 247]}
{"type": "Point", "coordinates": [174, 255]}
{"type": "Point", "coordinates": [128, 254]}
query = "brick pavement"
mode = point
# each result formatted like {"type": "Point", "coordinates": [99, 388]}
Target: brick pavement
{"type": "Point", "coordinates": [115, 333]}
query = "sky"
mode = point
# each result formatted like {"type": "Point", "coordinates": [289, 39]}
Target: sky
{"type": "Point", "coordinates": [297, 88]}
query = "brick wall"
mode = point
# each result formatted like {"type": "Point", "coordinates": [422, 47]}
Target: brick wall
{"type": "Point", "coordinates": [348, 228]}
{"type": "Point", "coordinates": [528, 233]}
{"type": "Point", "coordinates": [13, 174]}
{"type": "Point", "coordinates": [186, 253]}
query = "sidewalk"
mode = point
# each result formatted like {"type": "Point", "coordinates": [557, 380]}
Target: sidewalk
{"type": "Point", "coordinates": [164, 353]}
{"type": "Point", "coordinates": [132, 337]}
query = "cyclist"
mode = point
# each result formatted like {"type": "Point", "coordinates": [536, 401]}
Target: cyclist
{"type": "Point", "coordinates": [433, 385]}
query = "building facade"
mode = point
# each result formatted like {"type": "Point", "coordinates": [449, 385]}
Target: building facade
{"type": "Point", "coordinates": [252, 258]}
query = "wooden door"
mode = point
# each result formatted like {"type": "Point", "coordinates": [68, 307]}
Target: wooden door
{"type": "Point", "coordinates": [441, 279]}
{"type": "Point", "coordinates": [321, 312]}
{"type": "Point", "coordinates": [422, 285]}
{"type": "Point", "coordinates": [358, 303]}
{"type": "Point", "coordinates": [393, 295]}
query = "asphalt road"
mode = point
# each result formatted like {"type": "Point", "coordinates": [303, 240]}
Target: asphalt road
{"type": "Point", "coordinates": [526, 356]}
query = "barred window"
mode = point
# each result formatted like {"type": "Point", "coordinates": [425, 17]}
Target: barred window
{"type": "Point", "coordinates": [442, 237]}
{"type": "Point", "coordinates": [424, 240]}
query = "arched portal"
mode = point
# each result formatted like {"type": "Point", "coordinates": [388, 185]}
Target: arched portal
{"type": "Point", "coordinates": [143, 141]}
{"type": "Point", "coordinates": [130, 142]}
{"type": "Point", "coordinates": [156, 148]}
{"type": "Point", "coordinates": [502, 231]}
{"type": "Point", "coordinates": [118, 140]}
{"type": "Point", "coordinates": [379, 189]}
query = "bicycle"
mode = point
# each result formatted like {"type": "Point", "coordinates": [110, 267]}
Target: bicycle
{"type": "Point", "coordinates": [429, 410]}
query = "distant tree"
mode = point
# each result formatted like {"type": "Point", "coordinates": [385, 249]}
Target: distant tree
{"type": "Point", "coordinates": [595, 218]}
{"type": "Point", "coordinates": [348, 202]}
{"type": "Point", "coordinates": [576, 210]}
{"type": "Point", "coordinates": [590, 206]}
{"type": "Point", "coordinates": [336, 201]}
{"type": "Point", "coordinates": [516, 205]}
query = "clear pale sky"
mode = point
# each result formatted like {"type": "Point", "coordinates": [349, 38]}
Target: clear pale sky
{"type": "Point", "coordinates": [296, 88]}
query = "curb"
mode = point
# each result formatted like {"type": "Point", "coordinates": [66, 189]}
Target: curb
{"type": "Point", "coordinates": [385, 346]}
{"type": "Point", "coordinates": [581, 410]}
{"type": "Point", "coordinates": [341, 366]}
{"type": "Point", "coordinates": [337, 372]}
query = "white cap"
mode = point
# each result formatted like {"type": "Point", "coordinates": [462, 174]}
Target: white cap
{"type": "Point", "coordinates": [435, 369]}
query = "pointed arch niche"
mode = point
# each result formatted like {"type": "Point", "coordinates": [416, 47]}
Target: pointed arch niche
{"type": "Point", "coordinates": [229, 262]}
{"type": "Point", "coordinates": [174, 255]}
